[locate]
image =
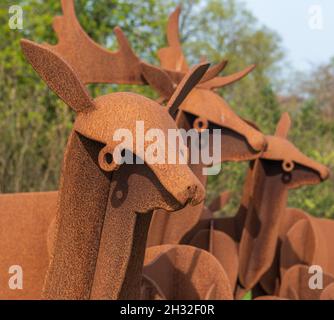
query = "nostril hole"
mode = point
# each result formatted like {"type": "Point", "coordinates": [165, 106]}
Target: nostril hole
{"type": "Point", "coordinates": [108, 158]}
{"type": "Point", "coordinates": [123, 153]}
{"type": "Point", "coordinates": [119, 194]}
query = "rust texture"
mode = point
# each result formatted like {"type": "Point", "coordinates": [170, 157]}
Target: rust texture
{"type": "Point", "coordinates": [186, 272]}
{"type": "Point", "coordinates": [240, 141]}
{"type": "Point", "coordinates": [142, 231]}
{"type": "Point", "coordinates": [85, 218]}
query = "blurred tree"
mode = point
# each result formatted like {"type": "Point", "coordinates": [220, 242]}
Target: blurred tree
{"type": "Point", "coordinates": [311, 102]}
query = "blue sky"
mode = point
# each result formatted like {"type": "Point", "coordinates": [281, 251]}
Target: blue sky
{"type": "Point", "coordinates": [305, 46]}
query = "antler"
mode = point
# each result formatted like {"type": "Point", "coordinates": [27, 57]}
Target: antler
{"type": "Point", "coordinates": [93, 63]}
{"type": "Point", "coordinates": [171, 57]}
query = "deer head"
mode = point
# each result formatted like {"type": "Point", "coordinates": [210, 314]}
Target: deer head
{"type": "Point", "coordinates": [239, 140]}
{"type": "Point", "coordinates": [97, 119]}
{"type": "Point", "coordinates": [295, 168]}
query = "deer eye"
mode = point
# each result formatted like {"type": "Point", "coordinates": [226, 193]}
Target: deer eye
{"type": "Point", "coordinates": [288, 166]}
{"type": "Point", "coordinates": [200, 124]}
{"type": "Point", "coordinates": [106, 160]}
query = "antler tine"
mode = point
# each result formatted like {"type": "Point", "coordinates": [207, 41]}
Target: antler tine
{"type": "Point", "coordinates": [219, 82]}
{"type": "Point", "coordinates": [93, 63]}
{"type": "Point", "coordinates": [172, 57]}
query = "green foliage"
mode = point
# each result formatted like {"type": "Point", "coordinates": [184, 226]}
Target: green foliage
{"type": "Point", "coordinates": [313, 134]}
{"type": "Point", "coordinates": [247, 296]}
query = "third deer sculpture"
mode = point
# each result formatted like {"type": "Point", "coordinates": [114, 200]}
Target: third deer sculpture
{"type": "Point", "coordinates": [255, 227]}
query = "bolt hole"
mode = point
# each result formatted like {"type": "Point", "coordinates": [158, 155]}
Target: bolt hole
{"type": "Point", "coordinates": [288, 166]}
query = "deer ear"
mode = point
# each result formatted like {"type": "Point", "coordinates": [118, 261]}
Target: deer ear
{"type": "Point", "coordinates": [214, 71]}
{"type": "Point", "coordinates": [58, 75]}
{"type": "Point", "coordinates": [219, 82]}
{"type": "Point", "coordinates": [283, 126]}
{"type": "Point", "coordinates": [158, 79]}
{"type": "Point", "coordinates": [189, 81]}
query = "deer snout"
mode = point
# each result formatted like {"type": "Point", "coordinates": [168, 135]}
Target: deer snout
{"type": "Point", "coordinates": [193, 194]}
{"type": "Point", "coordinates": [324, 173]}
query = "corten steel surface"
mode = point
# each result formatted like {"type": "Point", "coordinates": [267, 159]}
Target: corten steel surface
{"type": "Point", "coordinates": [223, 247]}
{"type": "Point", "coordinates": [240, 141]}
{"type": "Point", "coordinates": [281, 167]}
{"type": "Point", "coordinates": [328, 293]}
{"type": "Point", "coordinates": [186, 272]}
{"type": "Point", "coordinates": [295, 284]}
{"type": "Point", "coordinates": [65, 26]}
{"type": "Point", "coordinates": [206, 217]}
{"type": "Point", "coordinates": [270, 281]}
{"type": "Point", "coordinates": [24, 222]}
{"type": "Point", "coordinates": [303, 239]}
{"type": "Point", "coordinates": [96, 196]}
{"type": "Point", "coordinates": [308, 241]}
{"type": "Point", "coordinates": [220, 202]}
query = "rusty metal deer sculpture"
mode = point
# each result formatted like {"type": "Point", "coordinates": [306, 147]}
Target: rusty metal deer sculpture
{"type": "Point", "coordinates": [97, 194]}
{"type": "Point", "coordinates": [256, 225]}
{"type": "Point", "coordinates": [281, 167]}
{"type": "Point", "coordinates": [240, 142]}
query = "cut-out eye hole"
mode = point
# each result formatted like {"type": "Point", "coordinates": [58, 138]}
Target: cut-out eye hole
{"type": "Point", "coordinates": [200, 124]}
{"type": "Point", "coordinates": [106, 160]}
{"type": "Point", "coordinates": [288, 166]}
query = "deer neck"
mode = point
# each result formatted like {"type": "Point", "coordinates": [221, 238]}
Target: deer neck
{"type": "Point", "coordinates": [121, 256]}
{"type": "Point", "coordinates": [82, 203]}
{"type": "Point", "coordinates": [99, 238]}
{"type": "Point", "coordinates": [265, 209]}
{"type": "Point", "coordinates": [135, 192]}
{"type": "Point", "coordinates": [240, 217]}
